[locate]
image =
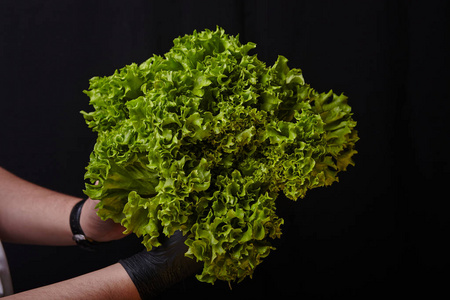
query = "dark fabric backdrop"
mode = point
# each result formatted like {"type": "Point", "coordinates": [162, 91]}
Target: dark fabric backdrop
{"type": "Point", "coordinates": [381, 231]}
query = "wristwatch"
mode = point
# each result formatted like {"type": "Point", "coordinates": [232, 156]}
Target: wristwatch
{"type": "Point", "coordinates": [78, 235]}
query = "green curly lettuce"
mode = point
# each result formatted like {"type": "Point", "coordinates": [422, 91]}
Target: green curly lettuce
{"type": "Point", "coordinates": [203, 140]}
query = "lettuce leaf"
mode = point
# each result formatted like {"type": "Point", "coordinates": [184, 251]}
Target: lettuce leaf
{"type": "Point", "coordinates": [203, 140]}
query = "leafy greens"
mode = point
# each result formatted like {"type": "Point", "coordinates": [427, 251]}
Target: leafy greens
{"type": "Point", "coordinates": [203, 140]}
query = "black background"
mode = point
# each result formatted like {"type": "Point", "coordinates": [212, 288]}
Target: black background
{"type": "Point", "coordinates": [381, 231]}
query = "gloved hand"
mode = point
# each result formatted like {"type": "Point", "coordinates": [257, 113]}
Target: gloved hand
{"type": "Point", "coordinates": [154, 271]}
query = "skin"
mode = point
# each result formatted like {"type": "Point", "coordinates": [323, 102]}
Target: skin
{"type": "Point", "coordinates": [109, 283]}
{"type": "Point", "coordinates": [31, 214]}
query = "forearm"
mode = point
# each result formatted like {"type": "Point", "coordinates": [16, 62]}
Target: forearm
{"type": "Point", "coordinates": [111, 282]}
{"type": "Point", "coordinates": [32, 214]}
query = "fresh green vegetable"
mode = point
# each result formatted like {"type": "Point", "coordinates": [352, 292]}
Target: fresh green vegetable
{"type": "Point", "coordinates": [203, 140]}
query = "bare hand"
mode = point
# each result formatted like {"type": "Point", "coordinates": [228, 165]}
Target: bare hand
{"type": "Point", "coordinates": [97, 229]}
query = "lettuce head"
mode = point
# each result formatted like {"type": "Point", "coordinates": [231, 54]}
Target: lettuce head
{"type": "Point", "coordinates": [203, 140]}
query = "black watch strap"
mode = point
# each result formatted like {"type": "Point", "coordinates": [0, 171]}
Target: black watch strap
{"type": "Point", "coordinates": [78, 235]}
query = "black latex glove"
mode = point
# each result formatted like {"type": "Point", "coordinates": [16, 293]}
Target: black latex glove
{"type": "Point", "coordinates": [154, 271]}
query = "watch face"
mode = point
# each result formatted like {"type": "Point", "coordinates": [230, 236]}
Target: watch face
{"type": "Point", "coordinates": [84, 242]}
{"type": "Point", "coordinates": [79, 238]}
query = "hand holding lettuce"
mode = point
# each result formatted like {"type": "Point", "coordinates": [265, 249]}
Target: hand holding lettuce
{"type": "Point", "coordinates": [203, 140]}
